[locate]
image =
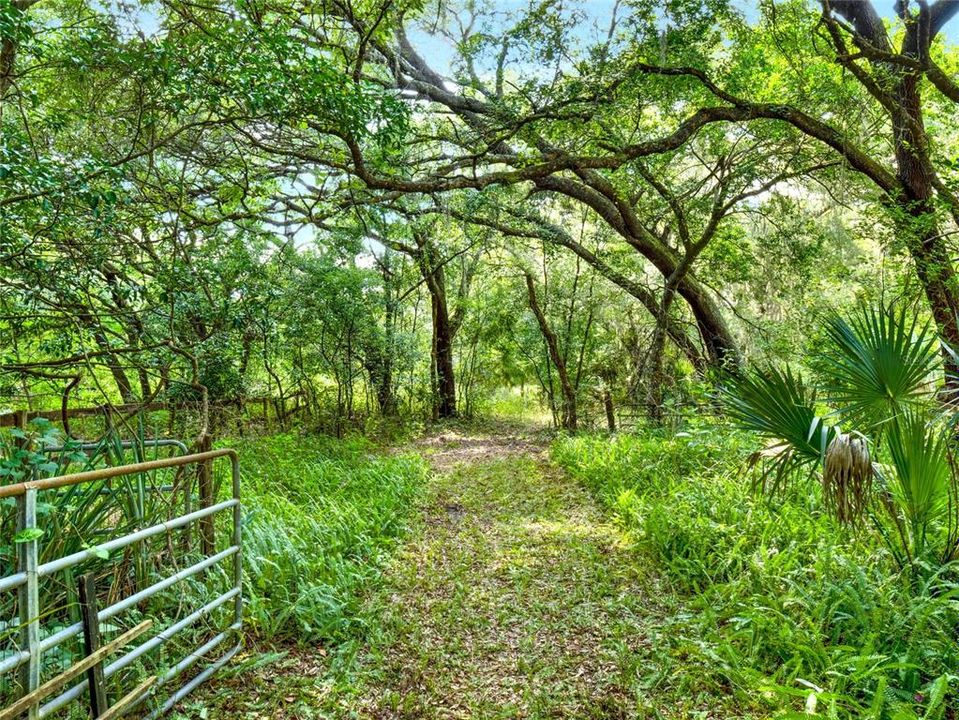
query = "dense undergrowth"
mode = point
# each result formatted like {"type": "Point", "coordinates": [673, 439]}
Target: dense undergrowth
{"type": "Point", "coordinates": [791, 612]}
{"type": "Point", "coordinates": [321, 516]}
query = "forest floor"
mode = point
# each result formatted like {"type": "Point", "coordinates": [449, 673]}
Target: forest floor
{"type": "Point", "coordinates": [512, 597]}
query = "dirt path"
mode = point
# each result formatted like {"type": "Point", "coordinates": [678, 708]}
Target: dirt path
{"type": "Point", "coordinates": [512, 601]}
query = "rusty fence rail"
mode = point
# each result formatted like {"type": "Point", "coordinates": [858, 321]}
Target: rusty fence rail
{"type": "Point", "coordinates": [39, 698]}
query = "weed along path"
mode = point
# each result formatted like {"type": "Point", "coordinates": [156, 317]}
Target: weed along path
{"type": "Point", "coordinates": [511, 597]}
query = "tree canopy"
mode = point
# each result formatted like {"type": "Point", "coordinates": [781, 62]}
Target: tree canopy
{"type": "Point", "coordinates": [185, 188]}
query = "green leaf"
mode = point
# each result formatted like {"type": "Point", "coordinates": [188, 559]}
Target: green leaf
{"type": "Point", "coordinates": [28, 535]}
{"type": "Point", "coordinates": [779, 406]}
{"type": "Point", "coordinates": [97, 551]}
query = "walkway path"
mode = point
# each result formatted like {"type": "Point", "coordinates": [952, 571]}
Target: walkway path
{"type": "Point", "coordinates": [512, 601]}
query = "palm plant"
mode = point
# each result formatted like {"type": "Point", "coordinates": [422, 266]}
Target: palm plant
{"type": "Point", "coordinates": [894, 467]}
{"type": "Point", "coordinates": [878, 364]}
{"type": "Point", "coordinates": [779, 405]}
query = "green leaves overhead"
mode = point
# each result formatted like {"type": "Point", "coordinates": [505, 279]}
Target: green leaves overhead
{"type": "Point", "coordinates": [266, 68]}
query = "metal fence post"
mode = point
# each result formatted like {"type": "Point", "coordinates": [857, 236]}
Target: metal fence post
{"type": "Point", "coordinates": [237, 540]}
{"type": "Point", "coordinates": [29, 594]}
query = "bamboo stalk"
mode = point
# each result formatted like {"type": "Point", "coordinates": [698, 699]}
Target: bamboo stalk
{"type": "Point", "coordinates": [74, 671]}
{"type": "Point", "coordinates": [128, 700]}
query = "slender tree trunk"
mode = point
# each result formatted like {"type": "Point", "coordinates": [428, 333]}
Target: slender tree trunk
{"type": "Point", "coordinates": [655, 375]}
{"type": "Point", "coordinates": [116, 370]}
{"type": "Point", "coordinates": [442, 338]}
{"type": "Point", "coordinates": [610, 410]}
{"type": "Point", "coordinates": [556, 355]}
{"type": "Point", "coordinates": [380, 359]}
{"type": "Point", "coordinates": [380, 370]}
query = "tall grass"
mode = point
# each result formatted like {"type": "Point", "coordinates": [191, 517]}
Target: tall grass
{"type": "Point", "coordinates": [321, 515]}
{"type": "Point", "coordinates": [788, 609]}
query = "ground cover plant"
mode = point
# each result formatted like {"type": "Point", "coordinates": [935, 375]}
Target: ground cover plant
{"type": "Point", "coordinates": [787, 608]}
{"type": "Point", "coordinates": [322, 516]}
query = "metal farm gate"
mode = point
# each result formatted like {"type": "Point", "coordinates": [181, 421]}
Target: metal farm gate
{"type": "Point", "coordinates": [178, 599]}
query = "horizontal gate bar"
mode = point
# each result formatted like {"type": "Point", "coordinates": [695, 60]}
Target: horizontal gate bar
{"type": "Point", "coordinates": [108, 612]}
{"type": "Point", "coordinates": [13, 581]}
{"type": "Point", "coordinates": [154, 642]}
{"type": "Point", "coordinates": [194, 683]}
{"type": "Point", "coordinates": [63, 563]}
{"type": "Point", "coordinates": [162, 637]}
{"type": "Point", "coordinates": [114, 471]}
{"type": "Point", "coordinates": [126, 445]}
{"type": "Point", "coordinates": [73, 671]}
{"type": "Point", "coordinates": [188, 662]}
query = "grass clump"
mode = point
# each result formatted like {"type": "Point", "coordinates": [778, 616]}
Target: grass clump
{"type": "Point", "coordinates": [788, 610]}
{"type": "Point", "coordinates": [320, 516]}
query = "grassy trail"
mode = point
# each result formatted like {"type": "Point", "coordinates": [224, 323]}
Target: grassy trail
{"type": "Point", "coordinates": [510, 601]}
{"type": "Point", "coordinates": [512, 597]}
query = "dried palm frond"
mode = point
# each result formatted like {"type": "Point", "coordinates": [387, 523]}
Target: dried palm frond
{"type": "Point", "coordinates": [847, 478]}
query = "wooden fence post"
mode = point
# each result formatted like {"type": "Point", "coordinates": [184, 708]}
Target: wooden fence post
{"type": "Point", "coordinates": [91, 643]}
{"type": "Point", "coordinates": [108, 423]}
{"type": "Point", "coordinates": [20, 422]}
{"type": "Point", "coordinates": [207, 538]}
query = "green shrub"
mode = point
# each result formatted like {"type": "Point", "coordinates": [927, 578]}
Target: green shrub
{"type": "Point", "coordinates": [320, 517]}
{"type": "Point", "coordinates": [784, 602]}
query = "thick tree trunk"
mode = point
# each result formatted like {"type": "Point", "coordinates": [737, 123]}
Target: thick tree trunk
{"type": "Point", "coordinates": [718, 341]}
{"type": "Point", "coordinates": [610, 410]}
{"type": "Point", "coordinates": [901, 84]}
{"type": "Point", "coordinates": [444, 404]}
{"type": "Point", "coordinates": [569, 420]}
{"type": "Point", "coordinates": [122, 381]}
{"type": "Point", "coordinates": [720, 346]}
{"type": "Point", "coordinates": [927, 245]}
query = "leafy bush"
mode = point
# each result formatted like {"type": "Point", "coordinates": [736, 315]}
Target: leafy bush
{"type": "Point", "coordinates": [321, 515]}
{"type": "Point", "coordinates": [787, 605]}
